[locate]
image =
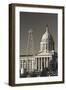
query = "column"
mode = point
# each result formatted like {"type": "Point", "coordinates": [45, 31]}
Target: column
{"type": "Point", "coordinates": [23, 64]}
{"type": "Point", "coordinates": [27, 64]}
{"type": "Point", "coordinates": [31, 65]}
{"type": "Point", "coordinates": [47, 63]}
{"type": "Point", "coordinates": [38, 64]}
{"type": "Point", "coordinates": [22, 67]}
{"type": "Point", "coordinates": [43, 46]}
{"type": "Point", "coordinates": [44, 62]}
{"type": "Point", "coordinates": [41, 63]}
{"type": "Point", "coordinates": [20, 63]}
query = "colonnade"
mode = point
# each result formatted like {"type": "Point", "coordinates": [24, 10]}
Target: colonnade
{"type": "Point", "coordinates": [42, 63]}
{"type": "Point", "coordinates": [27, 64]}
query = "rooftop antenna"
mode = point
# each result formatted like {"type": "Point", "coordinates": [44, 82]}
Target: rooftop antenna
{"type": "Point", "coordinates": [30, 43]}
{"type": "Point", "coordinates": [30, 51]}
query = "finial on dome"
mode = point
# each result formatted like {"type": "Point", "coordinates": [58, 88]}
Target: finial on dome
{"type": "Point", "coordinates": [46, 27]}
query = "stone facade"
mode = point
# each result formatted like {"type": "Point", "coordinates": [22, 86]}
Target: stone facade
{"type": "Point", "coordinates": [43, 59]}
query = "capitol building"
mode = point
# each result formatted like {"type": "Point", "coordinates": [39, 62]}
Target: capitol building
{"type": "Point", "coordinates": [44, 63]}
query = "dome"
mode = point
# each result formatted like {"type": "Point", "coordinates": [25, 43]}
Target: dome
{"type": "Point", "coordinates": [46, 36]}
{"type": "Point", "coordinates": [47, 43]}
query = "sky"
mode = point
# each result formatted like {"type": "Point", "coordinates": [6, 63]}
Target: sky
{"type": "Point", "coordinates": [37, 22]}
